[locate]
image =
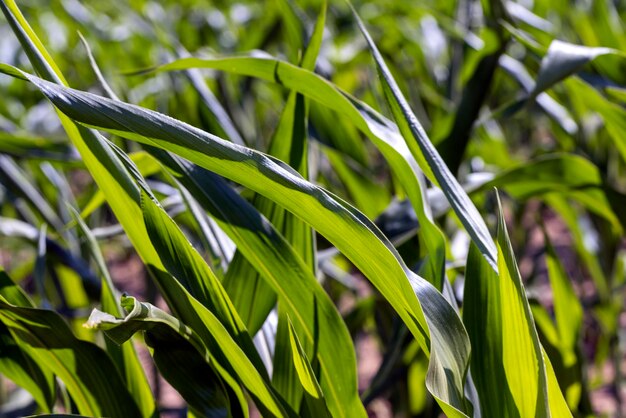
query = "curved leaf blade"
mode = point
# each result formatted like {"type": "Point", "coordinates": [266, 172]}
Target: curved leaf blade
{"type": "Point", "coordinates": [508, 362]}
{"type": "Point", "coordinates": [15, 361]}
{"type": "Point", "coordinates": [182, 261]}
{"type": "Point", "coordinates": [428, 157]}
{"type": "Point", "coordinates": [381, 131]}
{"type": "Point", "coordinates": [180, 355]}
{"type": "Point", "coordinates": [125, 356]}
{"type": "Point", "coordinates": [564, 59]}
{"type": "Point", "coordinates": [279, 264]}
{"type": "Point", "coordinates": [354, 234]}
{"type": "Point", "coordinates": [81, 365]}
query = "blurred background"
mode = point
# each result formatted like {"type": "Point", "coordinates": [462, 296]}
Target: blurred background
{"type": "Point", "coordinates": [465, 66]}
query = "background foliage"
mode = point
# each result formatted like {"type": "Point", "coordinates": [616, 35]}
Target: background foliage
{"type": "Point", "coordinates": [315, 229]}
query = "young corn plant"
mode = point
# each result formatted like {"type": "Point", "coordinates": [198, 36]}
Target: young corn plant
{"type": "Point", "coordinates": [303, 189]}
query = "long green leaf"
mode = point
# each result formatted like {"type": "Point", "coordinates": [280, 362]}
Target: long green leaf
{"type": "Point", "coordinates": [124, 356]}
{"type": "Point", "coordinates": [483, 321]}
{"type": "Point", "coordinates": [351, 232]}
{"type": "Point", "coordinates": [82, 366]}
{"type": "Point", "coordinates": [315, 405]}
{"type": "Point", "coordinates": [426, 154]}
{"type": "Point", "coordinates": [383, 133]}
{"type": "Point", "coordinates": [15, 362]}
{"type": "Point", "coordinates": [116, 177]}
{"type": "Point", "coordinates": [290, 144]}
{"type": "Point", "coordinates": [180, 355]}
{"type": "Point", "coordinates": [182, 261]}
{"type": "Point", "coordinates": [269, 253]}
{"type": "Point", "coordinates": [508, 363]}
{"type": "Point", "coordinates": [564, 59]}
{"type": "Point", "coordinates": [568, 314]}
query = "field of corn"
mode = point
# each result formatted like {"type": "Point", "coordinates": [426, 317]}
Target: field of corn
{"type": "Point", "coordinates": [311, 208]}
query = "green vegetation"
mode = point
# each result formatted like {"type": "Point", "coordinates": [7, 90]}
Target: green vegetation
{"type": "Point", "coordinates": [442, 182]}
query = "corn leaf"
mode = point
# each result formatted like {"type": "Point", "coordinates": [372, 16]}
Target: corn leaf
{"type": "Point", "coordinates": [315, 405]}
{"type": "Point", "coordinates": [508, 364]}
{"type": "Point", "coordinates": [349, 230]}
{"type": "Point", "coordinates": [564, 59]}
{"type": "Point", "coordinates": [180, 355]}
{"type": "Point", "coordinates": [110, 170]}
{"type": "Point", "coordinates": [81, 365]}
{"type": "Point", "coordinates": [182, 261]}
{"type": "Point", "coordinates": [279, 265]}
{"type": "Point", "coordinates": [426, 154]}
{"type": "Point", "coordinates": [383, 133]}
{"type": "Point", "coordinates": [125, 356]}
{"type": "Point", "coordinates": [15, 361]}
{"type": "Point", "coordinates": [568, 314]}
{"type": "Point", "coordinates": [290, 144]}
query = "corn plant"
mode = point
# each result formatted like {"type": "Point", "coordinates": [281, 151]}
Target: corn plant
{"type": "Point", "coordinates": [441, 180]}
